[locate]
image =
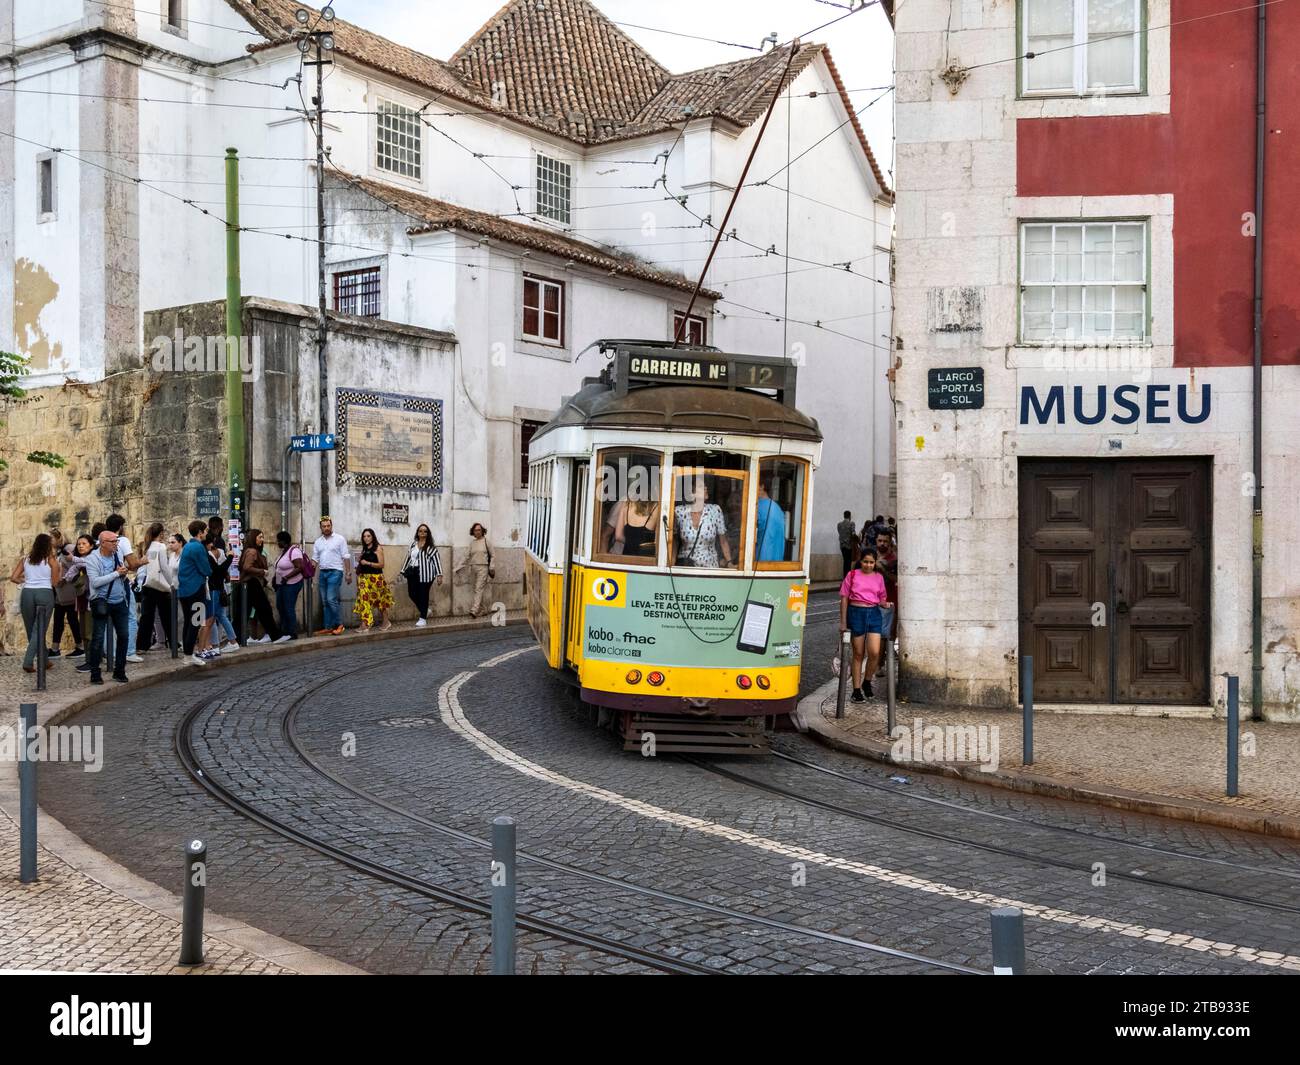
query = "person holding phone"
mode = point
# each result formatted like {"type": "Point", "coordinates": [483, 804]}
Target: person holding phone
{"type": "Point", "coordinates": [862, 597]}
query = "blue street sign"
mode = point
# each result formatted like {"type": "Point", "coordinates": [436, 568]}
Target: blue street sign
{"type": "Point", "coordinates": [207, 501]}
{"type": "Point", "coordinates": [313, 442]}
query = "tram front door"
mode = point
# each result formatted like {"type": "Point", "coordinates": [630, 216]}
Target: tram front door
{"type": "Point", "coordinates": [573, 588]}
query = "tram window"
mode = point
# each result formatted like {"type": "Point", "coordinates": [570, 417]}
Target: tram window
{"type": "Point", "coordinates": [628, 516]}
{"type": "Point", "coordinates": [708, 509]}
{"type": "Point", "coordinates": [779, 516]}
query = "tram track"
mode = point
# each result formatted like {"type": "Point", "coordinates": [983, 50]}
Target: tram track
{"type": "Point", "coordinates": [992, 848]}
{"type": "Point", "coordinates": [460, 900]}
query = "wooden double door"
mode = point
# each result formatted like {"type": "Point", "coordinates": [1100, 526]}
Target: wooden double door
{"type": "Point", "coordinates": [1114, 579]}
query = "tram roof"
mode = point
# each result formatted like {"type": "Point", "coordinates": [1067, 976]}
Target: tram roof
{"type": "Point", "coordinates": [682, 408]}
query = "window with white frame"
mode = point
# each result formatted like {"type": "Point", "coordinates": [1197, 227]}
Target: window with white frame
{"type": "Point", "coordinates": [1083, 281]}
{"type": "Point", "coordinates": [553, 189]}
{"type": "Point", "coordinates": [398, 137]}
{"type": "Point", "coordinates": [173, 12]}
{"type": "Point", "coordinates": [695, 331]}
{"type": "Point", "coordinates": [1081, 46]}
{"type": "Point", "coordinates": [543, 310]}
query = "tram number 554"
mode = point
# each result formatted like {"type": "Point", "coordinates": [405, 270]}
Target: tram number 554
{"type": "Point", "coordinates": [713, 440]}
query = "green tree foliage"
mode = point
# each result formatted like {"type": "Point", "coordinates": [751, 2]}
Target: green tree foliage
{"type": "Point", "coordinates": [13, 368]}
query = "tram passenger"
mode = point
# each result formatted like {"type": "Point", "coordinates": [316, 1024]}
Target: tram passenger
{"type": "Point", "coordinates": [701, 529]}
{"type": "Point", "coordinates": [862, 600]}
{"type": "Point", "coordinates": [631, 529]}
{"type": "Point", "coordinates": [771, 523]}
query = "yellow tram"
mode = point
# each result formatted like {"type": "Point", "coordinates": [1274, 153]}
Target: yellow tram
{"type": "Point", "coordinates": [668, 543]}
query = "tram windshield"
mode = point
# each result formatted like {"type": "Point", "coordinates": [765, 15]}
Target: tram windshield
{"type": "Point", "coordinates": [708, 509]}
{"type": "Point", "coordinates": [628, 511]}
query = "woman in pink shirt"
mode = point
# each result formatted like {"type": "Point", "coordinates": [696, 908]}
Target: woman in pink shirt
{"type": "Point", "coordinates": [862, 595]}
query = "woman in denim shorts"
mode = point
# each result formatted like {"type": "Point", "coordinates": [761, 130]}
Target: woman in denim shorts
{"type": "Point", "coordinates": [862, 595]}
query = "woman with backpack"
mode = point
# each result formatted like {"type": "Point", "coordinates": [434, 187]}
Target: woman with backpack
{"type": "Point", "coordinates": [156, 599]}
{"type": "Point", "coordinates": [291, 569]}
{"type": "Point", "coordinates": [65, 599]}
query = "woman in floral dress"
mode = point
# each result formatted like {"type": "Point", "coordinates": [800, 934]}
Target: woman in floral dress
{"type": "Point", "coordinates": [374, 596]}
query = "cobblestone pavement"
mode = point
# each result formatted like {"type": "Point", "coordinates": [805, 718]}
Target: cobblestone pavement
{"type": "Point", "coordinates": [886, 866]}
{"type": "Point", "coordinates": [67, 922]}
{"type": "Point", "coordinates": [1179, 758]}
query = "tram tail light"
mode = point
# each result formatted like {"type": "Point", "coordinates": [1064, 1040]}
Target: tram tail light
{"type": "Point", "coordinates": [634, 676]}
{"type": "Point", "coordinates": [656, 678]}
{"type": "Point", "coordinates": [763, 682]}
{"type": "Point", "coordinates": [743, 682]}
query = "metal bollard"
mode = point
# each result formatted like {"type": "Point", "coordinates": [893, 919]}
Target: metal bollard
{"type": "Point", "coordinates": [1027, 697]}
{"type": "Point", "coordinates": [1008, 941]}
{"type": "Point", "coordinates": [891, 670]}
{"type": "Point", "coordinates": [27, 796]}
{"type": "Point", "coordinates": [1234, 733]}
{"type": "Point", "coordinates": [846, 666]}
{"type": "Point", "coordinates": [503, 896]}
{"type": "Point", "coordinates": [42, 650]}
{"type": "Point", "coordinates": [196, 881]}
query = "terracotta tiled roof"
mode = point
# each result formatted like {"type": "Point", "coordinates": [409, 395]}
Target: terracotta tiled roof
{"type": "Point", "coordinates": [431, 216]}
{"type": "Point", "coordinates": [274, 20]}
{"type": "Point", "coordinates": [561, 62]}
{"type": "Point", "coordinates": [740, 91]}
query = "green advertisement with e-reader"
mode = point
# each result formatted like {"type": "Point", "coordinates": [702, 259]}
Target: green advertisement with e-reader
{"type": "Point", "coordinates": [669, 620]}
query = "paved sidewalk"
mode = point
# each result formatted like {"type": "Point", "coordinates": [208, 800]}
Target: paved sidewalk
{"type": "Point", "coordinates": [1173, 767]}
{"type": "Point", "coordinates": [86, 913]}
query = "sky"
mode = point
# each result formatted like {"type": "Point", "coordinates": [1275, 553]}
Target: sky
{"type": "Point", "coordinates": [862, 45]}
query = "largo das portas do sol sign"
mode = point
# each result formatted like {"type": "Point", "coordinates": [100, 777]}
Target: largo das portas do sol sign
{"type": "Point", "coordinates": [956, 388]}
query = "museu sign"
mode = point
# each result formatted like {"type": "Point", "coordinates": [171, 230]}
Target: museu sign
{"type": "Point", "coordinates": [1095, 404]}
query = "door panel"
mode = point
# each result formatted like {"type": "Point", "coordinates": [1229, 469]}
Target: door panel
{"type": "Point", "coordinates": [1062, 576]}
{"type": "Point", "coordinates": [1114, 592]}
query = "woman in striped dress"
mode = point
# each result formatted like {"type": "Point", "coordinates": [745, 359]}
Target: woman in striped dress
{"type": "Point", "coordinates": [423, 567]}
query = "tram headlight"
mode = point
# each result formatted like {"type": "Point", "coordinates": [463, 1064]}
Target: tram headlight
{"type": "Point", "coordinates": [634, 676]}
{"type": "Point", "coordinates": [763, 682]}
{"type": "Point", "coordinates": [656, 678]}
{"type": "Point", "coordinates": [743, 682]}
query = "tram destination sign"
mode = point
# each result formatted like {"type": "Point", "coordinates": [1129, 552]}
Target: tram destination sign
{"type": "Point", "coordinates": [734, 372]}
{"type": "Point", "coordinates": [957, 388]}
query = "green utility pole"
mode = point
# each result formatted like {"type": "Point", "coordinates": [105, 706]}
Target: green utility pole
{"type": "Point", "coordinates": [234, 328]}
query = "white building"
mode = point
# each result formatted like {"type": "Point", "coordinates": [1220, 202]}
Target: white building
{"type": "Point", "coordinates": [549, 185]}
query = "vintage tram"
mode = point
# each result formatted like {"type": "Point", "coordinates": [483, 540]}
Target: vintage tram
{"type": "Point", "coordinates": [668, 544]}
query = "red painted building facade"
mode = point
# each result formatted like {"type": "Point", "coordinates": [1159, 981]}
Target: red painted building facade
{"type": "Point", "coordinates": [1077, 227]}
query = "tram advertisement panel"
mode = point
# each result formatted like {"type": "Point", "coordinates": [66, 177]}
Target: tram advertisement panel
{"type": "Point", "coordinates": [693, 621]}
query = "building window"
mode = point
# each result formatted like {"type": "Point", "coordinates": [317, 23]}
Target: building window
{"type": "Point", "coordinates": [526, 430]}
{"type": "Point", "coordinates": [553, 189]}
{"type": "Point", "coordinates": [174, 13]}
{"type": "Point", "coordinates": [1083, 282]}
{"type": "Point", "coordinates": [1081, 46]}
{"type": "Point", "coordinates": [45, 187]}
{"type": "Point", "coordinates": [398, 139]}
{"type": "Point", "coordinates": [695, 333]}
{"type": "Point", "coordinates": [543, 310]}
{"type": "Point", "coordinates": [358, 292]}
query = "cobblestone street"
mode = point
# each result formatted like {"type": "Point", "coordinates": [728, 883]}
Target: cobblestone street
{"type": "Point", "coordinates": [371, 776]}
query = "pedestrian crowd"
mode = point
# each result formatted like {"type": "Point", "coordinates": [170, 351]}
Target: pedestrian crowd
{"type": "Point", "coordinates": [868, 594]}
{"type": "Point", "coordinates": [100, 583]}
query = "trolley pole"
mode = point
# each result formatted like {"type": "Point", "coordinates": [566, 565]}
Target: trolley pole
{"type": "Point", "coordinates": [234, 327]}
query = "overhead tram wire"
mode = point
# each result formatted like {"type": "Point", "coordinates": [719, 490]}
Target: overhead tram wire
{"type": "Point", "coordinates": [345, 245]}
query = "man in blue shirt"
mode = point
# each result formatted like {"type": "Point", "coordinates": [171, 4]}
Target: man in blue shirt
{"type": "Point", "coordinates": [771, 527]}
{"type": "Point", "coordinates": [192, 573]}
{"type": "Point", "coordinates": [106, 574]}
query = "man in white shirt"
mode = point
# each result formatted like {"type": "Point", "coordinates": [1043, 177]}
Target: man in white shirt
{"type": "Point", "coordinates": [334, 563]}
